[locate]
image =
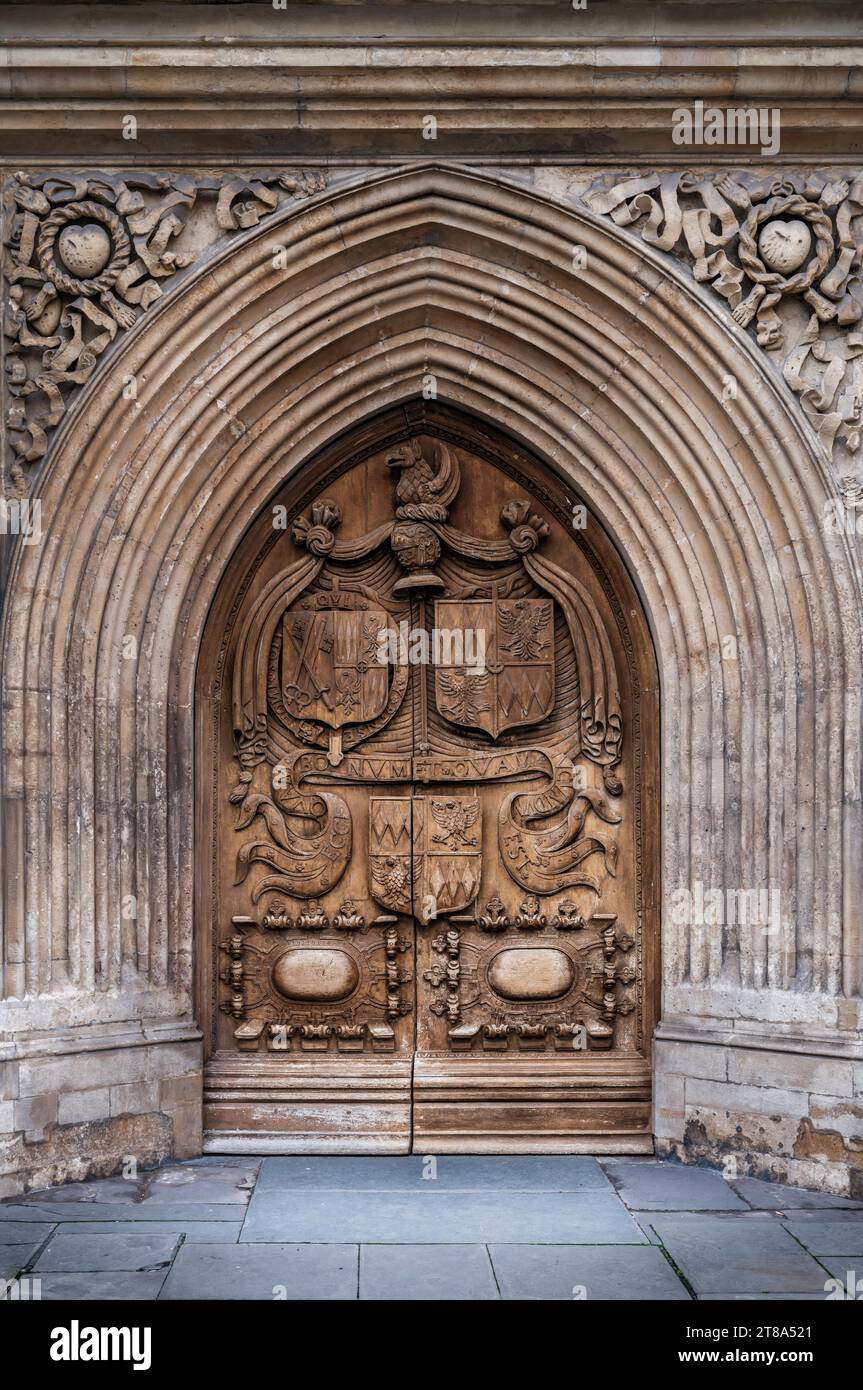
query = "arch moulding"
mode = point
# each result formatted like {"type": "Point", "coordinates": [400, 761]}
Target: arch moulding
{"type": "Point", "coordinates": [610, 367]}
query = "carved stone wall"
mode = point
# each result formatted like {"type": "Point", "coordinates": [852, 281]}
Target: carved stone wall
{"type": "Point", "coordinates": [87, 255]}
{"type": "Point", "coordinates": [180, 341]}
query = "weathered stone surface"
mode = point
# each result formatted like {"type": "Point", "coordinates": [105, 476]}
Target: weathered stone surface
{"type": "Point", "coordinates": [754, 1100]}
{"type": "Point", "coordinates": [601, 81]}
{"type": "Point", "coordinates": [238, 1272]}
{"type": "Point", "coordinates": [76, 1106]}
{"type": "Point", "coordinates": [561, 1272]}
{"type": "Point", "coordinates": [426, 1273]}
{"type": "Point", "coordinates": [778, 1069]}
{"type": "Point", "coordinates": [737, 1254]}
{"type": "Point", "coordinates": [74, 1253]}
{"type": "Point", "coordinates": [646, 1186]}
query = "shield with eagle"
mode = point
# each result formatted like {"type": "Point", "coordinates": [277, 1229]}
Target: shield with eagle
{"type": "Point", "coordinates": [425, 853]}
{"type": "Point", "coordinates": [495, 667]}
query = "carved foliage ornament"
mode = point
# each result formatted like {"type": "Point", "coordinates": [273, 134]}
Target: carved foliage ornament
{"type": "Point", "coordinates": [564, 994]}
{"type": "Point", "coordinates": [766, 245]}
{"type": "Point", "coordinates": [84, 256]}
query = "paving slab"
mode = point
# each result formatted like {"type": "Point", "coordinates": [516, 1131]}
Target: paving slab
{"type": "Point", "coordinates": [78, 1254]}
{"type": "Point", "coordinates": [110, 1211]}
{"type": "Point", "coordinates": [114, 1287]}
{"type": "Point", "coordinates": [195, 1232]}
{"type": "Point", "coordinates": [463, 1227]}
{"type": "Point", "coordinates": [426, 1272]}
{"type": "Point", "coordinates": [439, 1218]}
{"type": "Point", "coordinates": [643, 1220]}
{"type": "Point", "coordinates": [271, 1272]}
{"type": "Point", "coordinates": [222, 1161]}
{"type": "Point", "coordinates": [15, 1258]}
{"type": "Point", "coordinates": [222, 1184]}
{"type": "Point", "coordinates": [777, 1196]}
{"type": "Point", "coordinates": [840, 1233]}
{"type": "Point", "coordinates": [447, 1172]}
{"type": "Point", "coordinates": [656, 1186]}
{"type": "Point", "coordinates": [101, 1190]}
{"type": "Point", "coordinates": [761, 1298]}
{"type": "Point", "coordinates": [585, 1272]}
{"type": "Point", "coordinates": [226, 1184]}
{"type": "Point", "coordinates": [737, 1252]}
{"type": "Point", "coordinates": [24, 1232]}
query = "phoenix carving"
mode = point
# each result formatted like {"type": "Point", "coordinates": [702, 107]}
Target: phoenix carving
{"type": "Point", "coordinates": [455, 818]}
{"type": "Point", "coordinates": [463, 696]}
{"type": "Point", "coordinates": [525, 623]}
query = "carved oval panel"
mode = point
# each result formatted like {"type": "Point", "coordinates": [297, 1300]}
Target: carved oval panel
{"type": "Point", "coordinates": [531, 973]}
{"type": "Point", "coordinates": [315, 973]}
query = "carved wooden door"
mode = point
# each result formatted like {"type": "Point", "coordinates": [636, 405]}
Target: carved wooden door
{"type": "Point", "coordinates": [428, 737]}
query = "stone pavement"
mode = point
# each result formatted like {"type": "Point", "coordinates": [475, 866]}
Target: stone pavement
{"type": "Point", "coordinates": [414, 1228]}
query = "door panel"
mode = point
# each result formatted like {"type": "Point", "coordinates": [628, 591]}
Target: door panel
{"type": "Point", "coordinates": [427, 720]}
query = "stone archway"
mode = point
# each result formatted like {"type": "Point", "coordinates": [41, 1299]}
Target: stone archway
{"type": "Point", "coordinates": [615, 374]}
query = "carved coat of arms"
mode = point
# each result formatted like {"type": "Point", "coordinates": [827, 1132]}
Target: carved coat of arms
{"type": "Point", "coordinates": [425, 853]}
{"type": "Point", "coordinates": [331, 668]}
{"type": "Point", "coordinates": [509, 680]}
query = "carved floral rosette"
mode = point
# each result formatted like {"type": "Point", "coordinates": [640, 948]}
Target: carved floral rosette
{"type": "Point", "coordinates": [85, 255]}
{"type": "Point", "coordinates": [784, 252]}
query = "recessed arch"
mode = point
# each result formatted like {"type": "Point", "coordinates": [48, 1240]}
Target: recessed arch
{"type": "Point", "coordinates": [615, 375]}
{"type": "Point", "coordinates": [581, 716]}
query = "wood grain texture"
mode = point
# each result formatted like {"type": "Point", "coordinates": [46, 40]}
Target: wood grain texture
{"type": "Point", "coordinates": [427, 748]}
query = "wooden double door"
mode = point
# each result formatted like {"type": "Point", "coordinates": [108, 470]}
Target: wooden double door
{"type": "Point", "coordinates": [427, 812]}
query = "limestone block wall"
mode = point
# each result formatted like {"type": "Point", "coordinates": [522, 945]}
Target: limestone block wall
{"type": "Point", "coordinates": [87, 1106]}
{"type": "Point", "coordinates": [761, 1111]}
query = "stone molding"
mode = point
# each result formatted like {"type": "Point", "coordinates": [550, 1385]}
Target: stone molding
{"type": "Point", "coordinates": [508, 80]}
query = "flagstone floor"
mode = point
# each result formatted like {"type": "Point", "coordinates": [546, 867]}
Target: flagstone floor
{"type": "Point", "coordinates": [414, 1228]}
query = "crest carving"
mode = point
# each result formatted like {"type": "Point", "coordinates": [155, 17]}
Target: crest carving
{"type": "Point", "coordinates": [375, 797]}
{"type": "Point", "coordinates": [314, 679]}
{"type": "Point", "coordinates": [515, 686]}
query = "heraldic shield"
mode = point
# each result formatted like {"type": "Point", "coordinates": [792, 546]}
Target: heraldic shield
{"type": "Point", "coordinates": [425, 853]}
{"type": "Point", "coordinates": [331, 669]}
{"type": "Point", "coordinates": [507, 682]}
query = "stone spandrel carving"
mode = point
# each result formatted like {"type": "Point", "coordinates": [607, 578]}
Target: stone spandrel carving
{"type": "Point", "coordinates": [784, 251]}
{"type": "Point", "coordinates": [85, 255]}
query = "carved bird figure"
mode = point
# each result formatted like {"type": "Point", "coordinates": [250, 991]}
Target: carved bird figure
{"type": "Point", "coordinates": [422, 483]}
{"type": "Point", "coordinates": [463, 696]}
{"type": "Point", "coordinates": [524, 622]}
{"type": "Point", "coordinates": [417, 481]}
{"type": "Point", "coordinates": [393, 877]}
{"type": "Point", "coordinates": [456, 818]}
